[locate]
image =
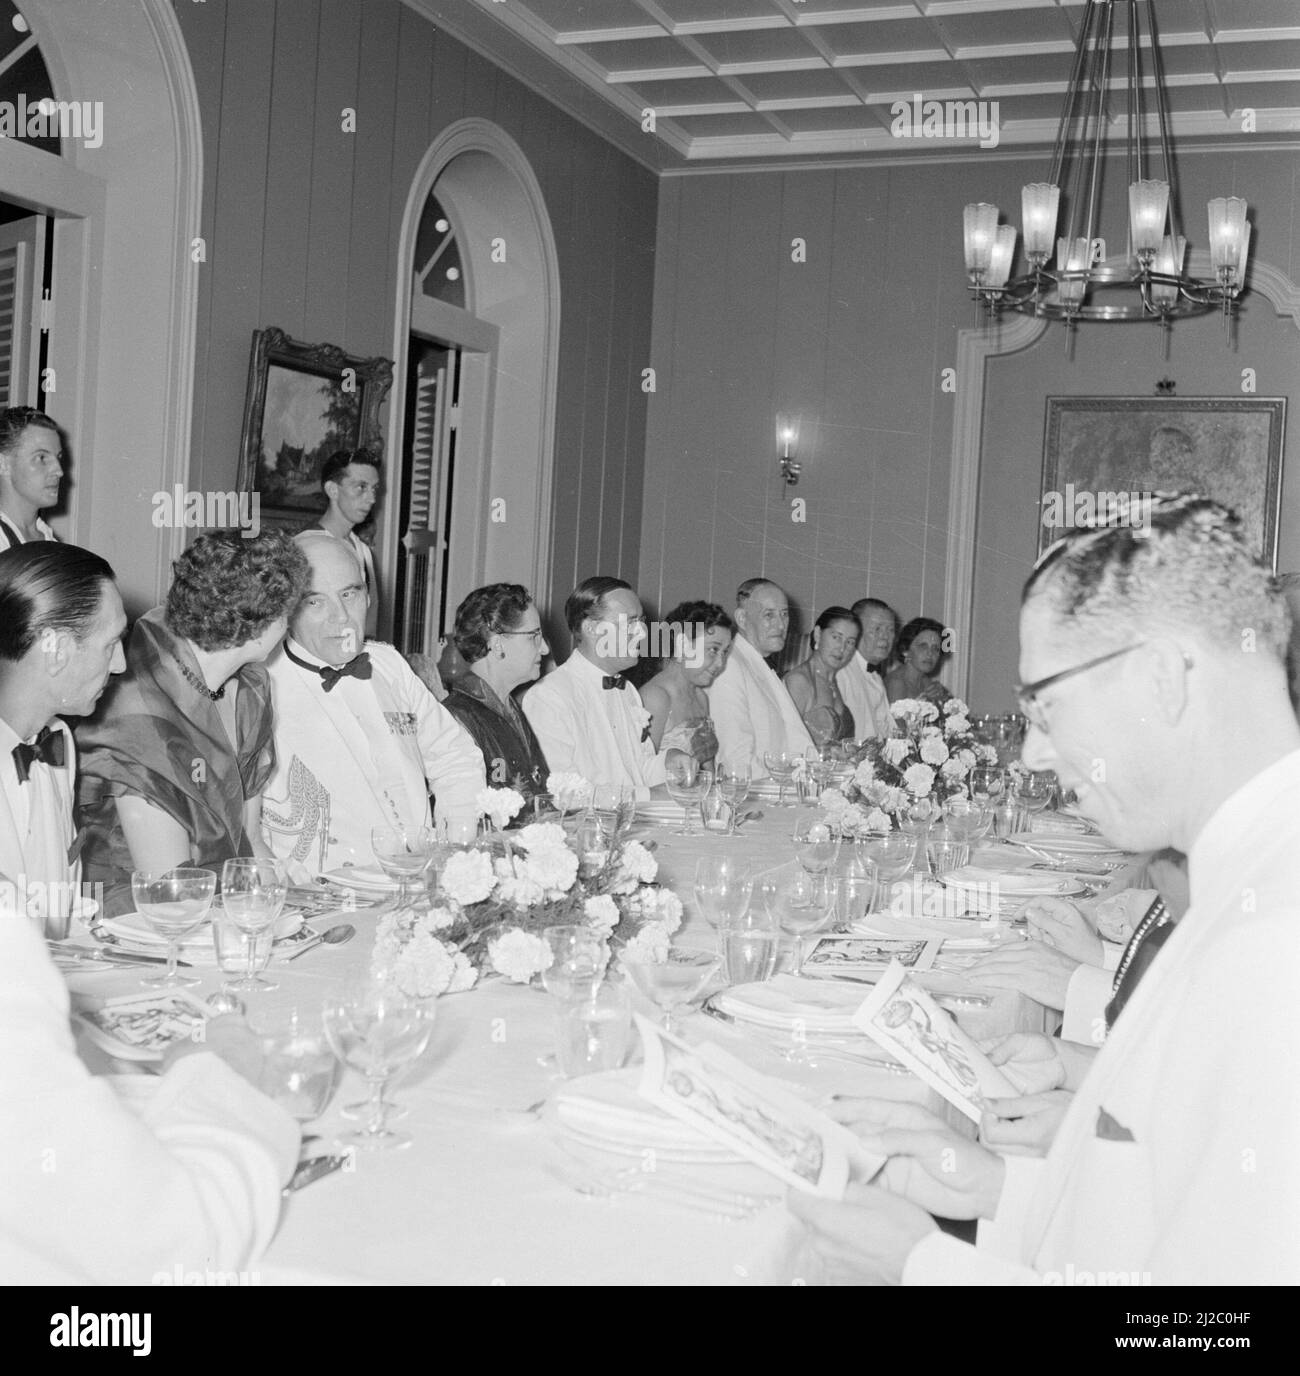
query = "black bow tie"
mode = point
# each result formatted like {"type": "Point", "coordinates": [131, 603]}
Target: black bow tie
{"type": "Point", "coordinates": [613, 681]}
{"type": "Point", "coordinates": [47, 747]}
{"type": "Point", "coordinates": [357, 667]}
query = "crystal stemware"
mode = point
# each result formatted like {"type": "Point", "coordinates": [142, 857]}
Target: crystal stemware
{"type": "Point", "coordinates": [686, 786]}
{"type": "Point", "coordinates": [815, 845]}
{"type": "Point", "coordinates": [174, 903]}
{"type": "Point", "coordinates": [801, 905]}
{"type": "Point", "coordinates": [673, 984]}
{"type": "Point", "coordinates": [986, 784]}
{"type": "Point", "coordinates": [377, 1029]}
{"type": "Point", "coordinates": [782, 765]}
{"type": "Point", "coordinates": [252, 894]}
{"type": "Point", "coordinates": [749, 944]}
{"type": "Point", "coordinates": [299, 1068]}
{"type": "Point", "coordinates": [722, 887]}
{"type": "Point", "coordinates": [405, 854]}
{"type": "Point", "coordinates": [577, 964]}
{"type": "Point", "coordinates": [733, 783]}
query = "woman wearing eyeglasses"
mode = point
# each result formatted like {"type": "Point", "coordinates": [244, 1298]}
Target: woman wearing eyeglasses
{"type": "Point", "coordinates": [499, 635]}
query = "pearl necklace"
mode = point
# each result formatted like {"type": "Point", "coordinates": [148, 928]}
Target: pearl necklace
{"type": "Point", "coordinates": [213, 695]}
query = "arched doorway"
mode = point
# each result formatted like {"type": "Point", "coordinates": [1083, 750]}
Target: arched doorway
{"type": "Point", "coordinates": [494, 405]}
{"type": "Point", "coordinates": [126, 212]}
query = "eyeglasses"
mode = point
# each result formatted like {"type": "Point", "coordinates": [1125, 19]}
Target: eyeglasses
{"type": "Point", "coordinates": [1027, 693]}
{"type": "Point", "coordinates": [535, 635]}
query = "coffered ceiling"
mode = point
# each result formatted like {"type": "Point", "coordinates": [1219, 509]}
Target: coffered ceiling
{"type": "Point", "coordinates": [789, 79]}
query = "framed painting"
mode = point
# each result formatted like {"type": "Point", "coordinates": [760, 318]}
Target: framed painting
{"type": "Point", "coordinates": [1229, 448]}
{"type": "Point", "coordinates": [304, 402]}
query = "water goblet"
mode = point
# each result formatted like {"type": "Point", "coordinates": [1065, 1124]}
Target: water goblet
{"type": "Point", "coordinates": [858, 880]}
{"type": "Point", "coordinates": [1036, 789]}
{"type": "Point", "coordinates": [252, 893]}
{"type": "Point", "coordinates": [782, 765]}
{"type": "Point", "coordinates": [592, 1033]}
{"type": "Point", "coordinates": [672, 985]}
{"type": "Point", "coordinates": [894, 854]}
{"type": "Point", "coordinates": [815, 845]}
{"type": "Point", "coordinates": [723, 885]}
{"type": "Point", "coordinates": [801, 905]}
{"type": "Point", "coordinates": [986, 784]}
{"type": "Point", "coordinates": [733, 782]}
{"type": "Point", "coordinates": [577, 965]}
{"type": "Point", "coordinates": [685, 786]}
{"type": "Point", "coordinates": [376, 1028]}
{"type": "Point", "coordinates": [174, 903]}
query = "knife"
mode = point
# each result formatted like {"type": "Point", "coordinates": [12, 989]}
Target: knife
{"type": "Point", "coordinates": [111, 953]}
{"type": "Point", "coordinates": [313, 1169]}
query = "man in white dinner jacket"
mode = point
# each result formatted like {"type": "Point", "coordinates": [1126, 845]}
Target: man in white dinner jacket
{"type": "Point", "coordinates": [859, 682]}
{"type": "Point", "coordinates": [589, 719]}
{"type": "Point", "coordinates": [1175, 1161]}
{"type": "Point", "coordinates": [106, 1181]}
{"type": "Point", "coordinates": [752, 711]}
{"type": "Point", "coordinates": [359, 740]}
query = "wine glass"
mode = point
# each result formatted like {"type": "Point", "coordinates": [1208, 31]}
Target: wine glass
{"type": "Point", "coordinates": [252, 894]}
{"type": "Point", "coordinates": [299, 1068]}
{"type": "Point", "coordinates": [894, 853]}
{"type": "Point", "coordinates": [734, 783]}
{"type": "Point", "coordinates": [606, 801]}
{"type": "Point", "coordinates": [685, 786]}
{"type": "Point", "coordinates": [1035, 790]}
{"type": "Point", "coordinates": [673, 984]}
{"type": "Point", "coordinates": [722, 887]}
{"type": "Point", "coordinates": [577, 962]}
{"type": "Point", "coordinates": [986, 783]}
{"type": "Point", "coordinates": [174, 903]}
{"type": "Point", "coordinates": [782, 765]}
{"type": "Point", "coordinates": [858, 879]}
{"type": "Point", "coordinates": [750, 944]}
{"type": "Point", "coordinates": [405, 854]}
{"type": "Point", "coordinates": [377, 1029]}
{"type": "Point", "coordinates": [815, 845]}
{"type": "Point", "coordinates": [800, 904]}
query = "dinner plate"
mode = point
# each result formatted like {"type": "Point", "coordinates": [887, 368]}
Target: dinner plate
{"type": "Point", "coordinates": [790, 1002]}
{"type": "Point", "coordinates": [605, 1111]}
{"type": "Point", "coordinates": [1065, 842]}
{"type": "Point", "coordinates": [363, 877]}
{"type": "Point", "coordinates": [1011, 884]}
{"type": "Point", "coordinates": [660, 813]}
{"type": "Point", "coordinates": [140, 1027]}
{"type": "Point", "coordinates": [132, 927]}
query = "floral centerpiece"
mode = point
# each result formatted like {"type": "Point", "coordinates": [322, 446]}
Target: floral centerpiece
{"type": "Point", "coordinates": [926, 762]}
{"type": "Point", "coordinates": [495, 899]}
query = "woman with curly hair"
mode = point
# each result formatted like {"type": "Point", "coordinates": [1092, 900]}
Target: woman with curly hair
{"type": "Point", "coordinates": [174, 762]}
{"type": "Point", "coordinates": [499, 636]}
{"type": "Point", "coordinates": [677, 697]}
{"type": "Point", "coordinates": [919, 652]}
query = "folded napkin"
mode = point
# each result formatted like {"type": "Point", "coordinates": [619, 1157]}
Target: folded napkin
{"type": "Point", "coordinates": [814, 1004]}
{"type": "Point", "coordinates": [605, 1109]}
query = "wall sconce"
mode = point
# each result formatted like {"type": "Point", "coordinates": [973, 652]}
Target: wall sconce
{"type": "Point", "coordinates": [787, 446]}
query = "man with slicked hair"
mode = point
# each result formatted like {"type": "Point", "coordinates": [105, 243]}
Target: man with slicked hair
{"type": "Point", "coordinates": [753, 712]}
{"type": "Point", "coordinates": [859, 682]}
{"type": "Point", "coordinates": [31, 468]}
{"type": "Point", "coordinates": [1175, 1161]}
{"type": "Point", "coordinates": [589, 719]}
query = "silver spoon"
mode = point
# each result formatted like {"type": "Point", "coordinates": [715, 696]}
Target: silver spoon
{"type": "Point", "coordinates": [331, 936]}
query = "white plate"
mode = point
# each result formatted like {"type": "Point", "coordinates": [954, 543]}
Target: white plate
{"type": "Point", "coordinates": [132, 927]}
{"type": "Point", "coordinates": [183, 1011]}
{"type": "Point", "coordinates": [1017, 884]}
{"type": "Point", "coordinates": [788, 1001]}
{"type": "Point", "coordinates": [1065, 842]}
{"type": "Point", "coordinates": [662, 814]}
{"type": "Point", "coordinates": [605, 1111]}
{"type": "Point", "coordinates": [363, 877]}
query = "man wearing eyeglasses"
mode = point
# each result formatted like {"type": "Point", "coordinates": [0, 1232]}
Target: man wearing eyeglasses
{"type": "Point", "coordinates": [589, 719]}
{"type": "Point", "coordinates": [1154, 659]}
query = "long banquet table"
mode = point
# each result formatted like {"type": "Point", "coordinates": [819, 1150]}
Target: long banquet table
{"type": "Point", "coordinates": [476, 1199]}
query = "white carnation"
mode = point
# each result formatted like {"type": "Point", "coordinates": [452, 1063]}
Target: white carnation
{"type": "Point", "coordinates": [953, 770]}
{"type": "Point", "coordinates": [601, 913]}
{"type": "Point", "coordinates": [919, 780]}
{"type": "Point", "coordinates": [569, 790]}
{"type": "Point", "coordinates": [467, 877]}
{"type": "Point", "coordinates": [542, 836]}
{"type": "Point", "coordinates": [895, 750]}
{"type": "Point", "coordinates": [518, 956]}
{"type": "Point", "coordinates": [832, 800]}
{"type": "Point", "coordinates": [651, 943]}
{"type": "Point", "coordinates": [877, 821]}
{"type": "Point", "coordinates": [933, 750]}
{"type": "Point", "coordinates": [957, 725]}
{"type": "Point", "coordinates": [955, 707]}
{"type": "Point", "coordinates": [554, 868]}
{"type": "Point", "coordinates": [638, 861]}
{"type": "Point", "coordinates": [500, 804]}
{"type": "Point", "coordinates": [421, 966]}
{"type": "Point", "coordinates": [864, 774]}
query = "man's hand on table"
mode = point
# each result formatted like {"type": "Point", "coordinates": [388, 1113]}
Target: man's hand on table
{"type": "Point", "coordinates": [1029, 967]}
{"type": "Point", "coordinates": [1025, 1126]}
{"type": "Point", "coordinates": [1065, 927]}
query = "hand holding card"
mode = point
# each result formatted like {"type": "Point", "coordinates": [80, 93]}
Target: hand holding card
{"type": "Point", "coordinates": [901, 1017]}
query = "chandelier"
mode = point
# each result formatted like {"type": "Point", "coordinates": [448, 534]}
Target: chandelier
{"type": "Point", "coordinates": [1149, 282]}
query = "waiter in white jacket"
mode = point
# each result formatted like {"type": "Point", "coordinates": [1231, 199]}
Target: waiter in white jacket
{"type": "Point", "coordinates": [1175, 1161]}
{"type": "Point", "coordinates": [359, 740]}
{"type": "Point", "coordinates": [752, 711]}
{"type": "Point", "coordinates": [589, 719]}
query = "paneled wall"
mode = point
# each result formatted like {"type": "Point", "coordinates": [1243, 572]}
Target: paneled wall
{"type": "Point", "coordinates": [857, 338]}
{"type": "Point", "coordinates": [302, 220]}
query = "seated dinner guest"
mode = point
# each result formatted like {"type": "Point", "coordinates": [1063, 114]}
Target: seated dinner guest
{"type": "Point", "coordinates": [752, 711]}
{"type": "Point", "coordinates": [174, 763]}
{"type": "Point", "coordinates": [919, 652]}
{"type": "Point", "coordinates": [499, 635]}
{"type": "Point", "coordinates": [589, 719]}
{"type": "Point", "coordinates": [676, 698]}
{"type": "Point", "coordinates": [359, 740]}
{"type": "Point", "coordinates": [31, 465]}
{"type": "Point", "coordinates": [859, 680]}
{"type": "Point", "coordinates": [61, 628]}
{"type": "Point", "coordinates": [812, 685]}
{"type": "Point", "coordinates": [126, 1180]}
{"type": "Point", "coordinates": [1174, 1163]}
